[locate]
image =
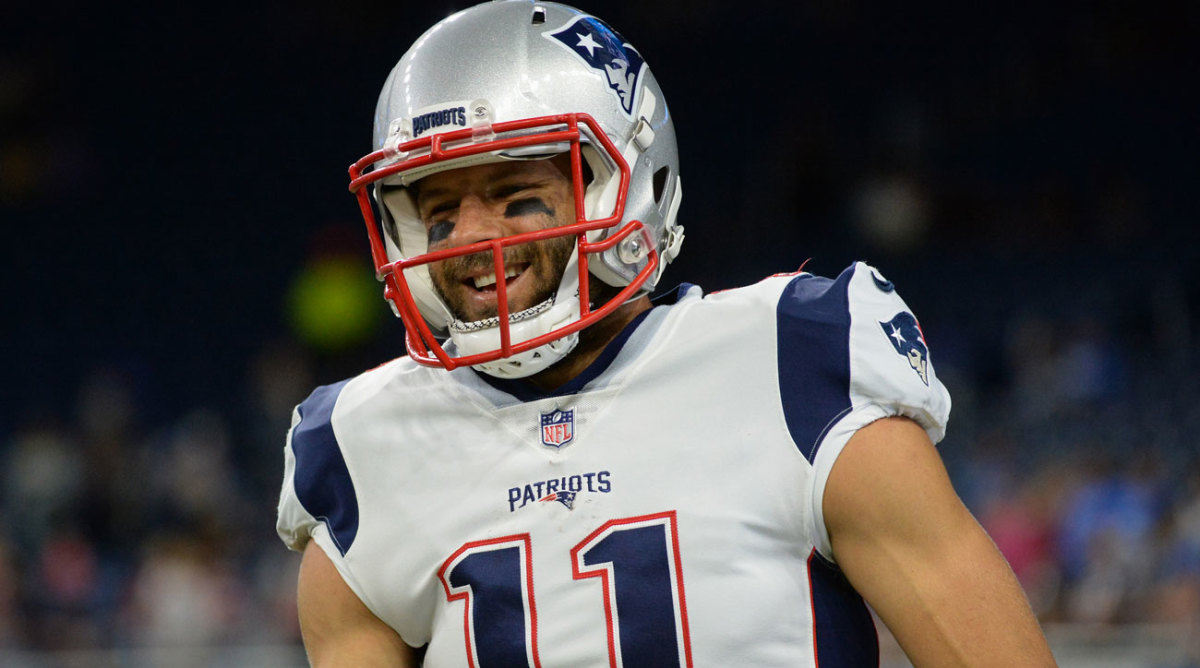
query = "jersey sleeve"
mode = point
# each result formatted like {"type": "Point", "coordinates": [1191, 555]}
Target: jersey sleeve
{"type": "Point", "coordinates": [851, 352]}
{"type": "Point", "coordinates": [293, 523]}
{"type": "Point", "coordinates": [318, 499]}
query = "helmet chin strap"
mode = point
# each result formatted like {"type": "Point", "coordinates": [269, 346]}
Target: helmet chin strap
{"type": "Point", "coordinates": [560, 310]}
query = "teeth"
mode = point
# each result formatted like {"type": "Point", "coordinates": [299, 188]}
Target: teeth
{"type": "Point", "coordinates": [490, 279]}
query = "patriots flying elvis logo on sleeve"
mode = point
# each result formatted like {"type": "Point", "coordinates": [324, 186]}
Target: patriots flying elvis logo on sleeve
{"type": "Point", "coordinates": [906, 337]}
{"type": "Point", "coordinates": [605, 51]}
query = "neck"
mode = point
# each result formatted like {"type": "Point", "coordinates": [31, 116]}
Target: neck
{"type": "Point", "coordinates": [592, 341]}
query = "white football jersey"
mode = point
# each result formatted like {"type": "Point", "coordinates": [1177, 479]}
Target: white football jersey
{"type": "Point", "coordinates": [663, 509]}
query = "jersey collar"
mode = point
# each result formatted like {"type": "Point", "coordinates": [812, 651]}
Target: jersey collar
{"type": "Point", "coordinates": [524, 390]}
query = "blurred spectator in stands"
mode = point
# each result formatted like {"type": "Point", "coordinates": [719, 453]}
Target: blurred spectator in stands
{"type": "Point", "coordinates": [42, 476]}
{"type": "Point", "coordinates": [1106, 539]}
{"type": "Point", "coordinates": [186, 594]}
{"type": "Point", "coordinates": [12, 633]}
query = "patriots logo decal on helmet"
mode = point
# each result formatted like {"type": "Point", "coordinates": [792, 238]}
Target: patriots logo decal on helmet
{"type": "Point", "coordinates": [906, 337]}
{"type": "Point", "coordinates": [606, 51]}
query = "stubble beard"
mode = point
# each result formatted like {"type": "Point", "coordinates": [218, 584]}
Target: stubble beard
{"type": "Point", "coordinates": [546, 260]}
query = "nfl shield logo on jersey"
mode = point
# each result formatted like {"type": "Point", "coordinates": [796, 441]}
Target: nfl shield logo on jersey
{"type": "Point", "coordinates": [906, 337]}
{"type": "Point", "coordinates": [558, 427]}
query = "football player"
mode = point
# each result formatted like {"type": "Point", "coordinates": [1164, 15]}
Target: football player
{"type": "Point", "coordinates": [565, 472]}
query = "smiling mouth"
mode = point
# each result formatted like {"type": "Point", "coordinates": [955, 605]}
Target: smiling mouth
{"type": "Point", "coordinates": [487, 282]}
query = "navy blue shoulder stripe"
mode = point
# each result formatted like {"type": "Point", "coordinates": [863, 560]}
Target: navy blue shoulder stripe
{"type": "Point", "coordinates": [323, 483]}
{"type": "Point", "coordinates": [813, 320]}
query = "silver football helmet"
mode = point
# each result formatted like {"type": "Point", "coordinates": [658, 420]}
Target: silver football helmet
{"type": "Point", "coordinates": [522, 80]}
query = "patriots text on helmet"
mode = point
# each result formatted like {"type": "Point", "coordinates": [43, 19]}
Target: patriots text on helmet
{"type": "Point", "coordinates": [440, 118]}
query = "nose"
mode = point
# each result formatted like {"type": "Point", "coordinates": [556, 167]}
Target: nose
{"type": "Point", "coordinates": [476, 221]}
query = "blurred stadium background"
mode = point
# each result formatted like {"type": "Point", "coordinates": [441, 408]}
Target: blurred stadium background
{"type": "Point", "coordinates": [184, 264]}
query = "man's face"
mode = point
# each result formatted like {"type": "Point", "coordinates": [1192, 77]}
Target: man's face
{"type": "Point", "coordinates": [484, 202]}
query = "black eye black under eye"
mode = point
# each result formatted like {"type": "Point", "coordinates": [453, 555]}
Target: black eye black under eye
{"type": "Point", "coordinates": [440, 230]}
{"type": "Point", "coordinates": [526, 207]}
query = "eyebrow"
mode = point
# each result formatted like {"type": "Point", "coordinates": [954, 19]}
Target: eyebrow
{"type": "Point", "coordinates": [419, 192]}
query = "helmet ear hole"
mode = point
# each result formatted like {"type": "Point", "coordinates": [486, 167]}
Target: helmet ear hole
{"type": "Point", "coordinates": [660, 183]}
{"type": "Point", "coordinates": [539, 16]}
{"type": "Point", "coordinates": [588, 174]}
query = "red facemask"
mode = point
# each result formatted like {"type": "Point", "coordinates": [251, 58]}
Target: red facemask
{"type": "Point", "coordinates": [422, 344]}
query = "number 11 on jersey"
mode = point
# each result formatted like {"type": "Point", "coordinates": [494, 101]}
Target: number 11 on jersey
{"type": "Point", "coordinates": [637, 560]}
{"type": "Point", "coordinates": [640, 570]}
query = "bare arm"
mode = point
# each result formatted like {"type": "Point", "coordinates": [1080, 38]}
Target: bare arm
{"type": "Point", "coordinates": [338, 629]}
{"type": "Point", "coordinates": [906, 542]}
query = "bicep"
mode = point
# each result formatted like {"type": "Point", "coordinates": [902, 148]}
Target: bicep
{"type": "Point", "coordinates": [912, 549]}
{"type": "Point", "coordinates": [337, 627]}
